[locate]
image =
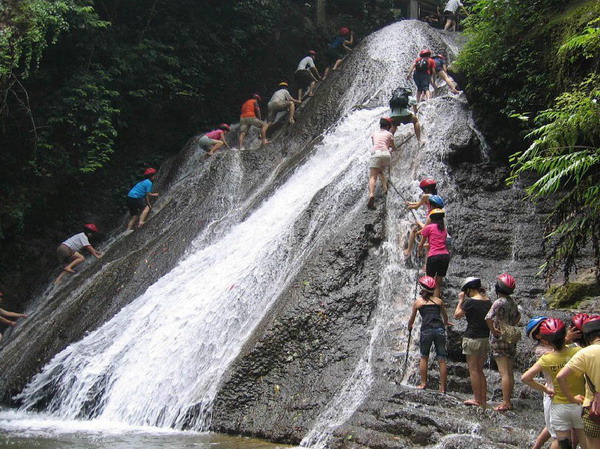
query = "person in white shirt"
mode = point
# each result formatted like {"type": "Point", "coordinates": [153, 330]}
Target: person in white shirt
{"type": "Point", "coordinates": [451, 14]}
{"type": "Point", "coordinates": [68, 251]}
{"type": "Point", "coordinates": [307, 74]}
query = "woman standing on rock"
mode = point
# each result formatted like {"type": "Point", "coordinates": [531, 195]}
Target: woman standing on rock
{"type": "Point", "coordinates": [502, 320]}
{"type": "Point", "coordinates": [474, 305]}
{"type": "Point", "coordinates": [434, 319]}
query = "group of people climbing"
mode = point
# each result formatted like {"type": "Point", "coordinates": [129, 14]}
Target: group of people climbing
{"type": "Point", "coordinates": [306, 77]}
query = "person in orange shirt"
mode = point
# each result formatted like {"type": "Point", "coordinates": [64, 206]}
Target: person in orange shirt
{"type": "Point", "coordinates": [251, 117]}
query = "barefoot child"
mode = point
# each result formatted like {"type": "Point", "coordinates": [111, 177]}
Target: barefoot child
{"type": "Point", "coordinates": [69, 251]}
{"type": "Point", "coordinates": [383, 143]}
{"type": "Point", "coordinates": [434, 319]}
{"type": "Point", "coordinates": [564, 415]}
{"type": "Point", "coordinates": [138, 199]}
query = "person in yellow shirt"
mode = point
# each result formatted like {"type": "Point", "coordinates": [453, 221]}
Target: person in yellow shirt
{"type": "Point", "coordinates": [564, 415]}
{"type": "Point", "coordinates": [586, 363]}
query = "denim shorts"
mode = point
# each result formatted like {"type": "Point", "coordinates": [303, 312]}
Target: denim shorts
{"type": "Point", "coordinates": [437, 336]}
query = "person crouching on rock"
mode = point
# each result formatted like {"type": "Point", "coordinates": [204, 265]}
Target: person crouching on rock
{"type": "Point", "coordinates": [438, 256]}
{"type": "Point", "coordinates": [215, 139]}
{"type": "Point", "coordinates": [434, 319]}
{"type": "Point", "coordinates": [69, 251]}
{"type": "Point", "coordinates": [5, 315]}
{"type": "Point", "coordinates": [429, 199]}
{"type": "Point", "coordinates": [138, 200]}
{"type": "Point", "coordinates": [474, 305]}
{"type": "Point", "coordinates": [383, 140]}
{"type": "Point", "coordinates": [282, 101]}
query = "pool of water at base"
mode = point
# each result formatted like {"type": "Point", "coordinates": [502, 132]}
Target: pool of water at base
{"type": "Point", "coordinates": [20, 430]}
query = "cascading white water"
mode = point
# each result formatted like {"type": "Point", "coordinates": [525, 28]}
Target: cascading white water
{"type": "Point", "coordinates": [162, 356]}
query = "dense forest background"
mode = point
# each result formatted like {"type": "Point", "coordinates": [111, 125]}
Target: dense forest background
{"type": "Point", "coordinates": [94, 91]}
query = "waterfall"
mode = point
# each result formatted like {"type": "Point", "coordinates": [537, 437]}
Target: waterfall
{"type": "Point", "coordinates": [160, 358]}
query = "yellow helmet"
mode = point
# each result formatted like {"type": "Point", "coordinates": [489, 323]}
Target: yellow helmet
{"type": "Point", "coordinates": [283, 84]}
{"type": "Point", "coordinates": [437, 212]}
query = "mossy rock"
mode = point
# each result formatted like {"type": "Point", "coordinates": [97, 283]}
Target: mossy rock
{"type": "Point", "coordinates": [570, 295]}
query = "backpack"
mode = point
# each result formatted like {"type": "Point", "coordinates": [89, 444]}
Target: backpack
{"type": "Point", "coordinates": [399, 98]}
{"type": "Point", "coordinates": [422, 65]}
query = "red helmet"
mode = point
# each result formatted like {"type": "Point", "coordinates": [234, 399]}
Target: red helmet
{"type": "Point", "coordinates": [149, 172]}
{"type": "Point", "coordinates": [506, 284]}
{"type": "Point", "coordinates": [579, 319]}
{"type": "Point", "coordinates": [425, 52]}
{"type": "Point", "coordinates": [428, 283]}
{"type": "Point", "coordinates": [91, 227]}
{"type": "Point", "coordinates": [385, 121]}
{"type": "Point", "coordinates": [224, 127]}
{"type": "Point", "coordinates": [551, 326]}
{"type": "Point", "coordinates": [592, 324]}
{"type": "Point", "coordinates": [427, 182]}
{"type": "Point", "coordinates": [312, 52]}
{"type": "Point", "coordinates": [344, 31]}
{"type": "Point", "coordinates": [257, 97]}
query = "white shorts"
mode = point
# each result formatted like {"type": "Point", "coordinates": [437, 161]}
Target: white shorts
{"type": "Point", "coordinates": [566, 417]}
{"type": "Point", "coordinates": [380, 159]}
{"type": "Point", "coordinates": [548, 415]}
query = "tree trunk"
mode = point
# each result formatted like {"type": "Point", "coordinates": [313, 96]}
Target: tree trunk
{"type": "Point", "coordinates": [321, 11]}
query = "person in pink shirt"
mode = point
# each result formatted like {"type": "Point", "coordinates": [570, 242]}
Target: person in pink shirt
{"type": "Point", "coordinates": [383, 140]}
{"type": "Point", "coordinates": [215, 139]}
{"type": "Point", "coordinates": [438, 256]}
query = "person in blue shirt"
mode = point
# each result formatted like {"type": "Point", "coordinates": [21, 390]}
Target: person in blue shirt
{"type": "Point", "coordinates": [337, 49]}
{"type": "Point", "coordinates": [138, 200]}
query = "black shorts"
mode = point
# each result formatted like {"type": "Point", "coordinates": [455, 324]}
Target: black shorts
{"type": "Point", "coordinates": [303, 78]}
{"type": "Point", "coordinates": [136, 205]}
{"type": "Point", "coordinates": [450, 15]}
{"type": "Point", "coordinates": [398, 120]}
{"type": "Point", "coordinates": [332, 55]}
{"type": "Point", "coordinates": [437, 265]}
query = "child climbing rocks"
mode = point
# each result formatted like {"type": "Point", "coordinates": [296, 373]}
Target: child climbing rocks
{"type": "Point", "coordinates": [69, 251]}
{"type": "Point", "coordinates": [307, 75]}
{"type": "Point", "coordinates": [434, 319]}
{"type": "Point", "coordinates": [251, 116]}
{"type": "Point", "coordinates": [423, 67]}
{"type": "Point", "coordinates": [138, 200]}
{"type": "Point", "coordinates": [441, 71]}
{"type": "Point", "coordinates": [438, 256]}
{"type": "Point", "coordinates": [429, 199]}
{"type": "Point", "coordinates": [5, 316]}
{"type": "Point", "coordinates": [401, 104]}
{"type": "Point", "coordinates": [383, 141]}
{"type": "Point", "coordinates": [502, 320]}
{"type": "Point", "coordinates": [337, 49]}
{"type": "Point", "coordinates": [215, 139]}
{"type": "Point", "coordinates": [282, 101]}
{"type": "Point", "coordinates": [564, 415]}
{"type": "Point", "coordinates": [474, 305]}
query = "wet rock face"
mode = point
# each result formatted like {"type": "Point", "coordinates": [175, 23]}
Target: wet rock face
{"type": "Point", "coordinates": [310, 340]}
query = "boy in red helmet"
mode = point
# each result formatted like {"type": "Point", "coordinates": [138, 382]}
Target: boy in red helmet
{"type": "Point", "coordinates": [423, 68]}
{"type": "Point", "coordinates": [337, 49]}
{"type": "Point", "coordinates": [69, 253]}
{"type": "Point", "coordinates": [138, 200]}
{"type": "Point", "coordinates": [5, 315]}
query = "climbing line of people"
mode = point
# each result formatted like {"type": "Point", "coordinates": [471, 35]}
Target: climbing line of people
{"type": "Point", "coordinates": [306, 77]}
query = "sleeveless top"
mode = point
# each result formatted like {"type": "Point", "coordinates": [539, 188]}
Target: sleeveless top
{"type": "Point", "coordinates": [431, 317]}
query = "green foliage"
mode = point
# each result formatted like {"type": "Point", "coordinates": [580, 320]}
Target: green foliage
{"type": "Point", "coordinates": [565, 154]}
